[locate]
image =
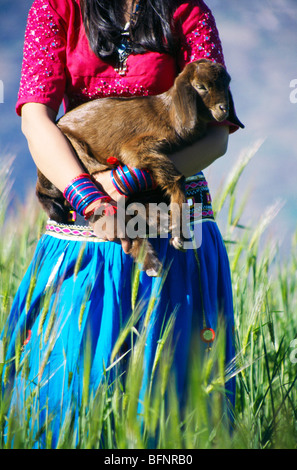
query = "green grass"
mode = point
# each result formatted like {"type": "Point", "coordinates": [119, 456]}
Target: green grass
{"type": "Point", "coordinates": [265, 302]}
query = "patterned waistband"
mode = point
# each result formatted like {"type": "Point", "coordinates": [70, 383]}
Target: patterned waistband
{"type": "Point", "coordinates": [197, 192]}
{"type": "Point", "coordinates": [199, 202]}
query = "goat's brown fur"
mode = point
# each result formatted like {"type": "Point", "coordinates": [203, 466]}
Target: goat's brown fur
{"type": "Point", "coordinates": [142, 131]}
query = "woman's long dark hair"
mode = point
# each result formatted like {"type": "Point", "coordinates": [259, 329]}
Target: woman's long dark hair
{"type": "Point", "coordinates": [151, 30]}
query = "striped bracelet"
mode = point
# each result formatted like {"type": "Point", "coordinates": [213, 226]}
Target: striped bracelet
{"type": "Point", "coordinates": [128, 180]}
{"type": "Point", "coordinates": [81, 192]}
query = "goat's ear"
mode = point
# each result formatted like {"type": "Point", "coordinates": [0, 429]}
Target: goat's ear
{"type": "Point", "coordinates": [232, 113]}
{"type": "Point", "coordinates": [184, 106]}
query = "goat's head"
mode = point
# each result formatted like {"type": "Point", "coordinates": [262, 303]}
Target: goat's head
{"type": "Point", "coordinates": [212, 99]}
{"type": "Point", "coordinates": [211, 82]}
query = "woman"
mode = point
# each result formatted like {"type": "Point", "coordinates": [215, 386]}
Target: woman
{"type": "Point", "coordinates": [76, 51]}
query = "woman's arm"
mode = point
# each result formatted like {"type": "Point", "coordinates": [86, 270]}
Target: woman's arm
{"type": "Point", "coordinates": [52, 153]}
{"type": "Point", "coordinates": [50, 150]}
{"type": "Point", "coordinates": [201, 154]}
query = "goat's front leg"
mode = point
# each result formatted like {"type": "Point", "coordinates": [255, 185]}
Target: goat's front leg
{"type": "Point", "coordinates": [167, 177]}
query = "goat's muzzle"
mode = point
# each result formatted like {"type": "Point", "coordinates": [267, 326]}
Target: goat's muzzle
{"type": "Point", "coordinates": [220, 112]}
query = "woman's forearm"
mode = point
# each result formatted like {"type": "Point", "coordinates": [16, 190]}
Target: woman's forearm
{"type": "Point", "coordinates": [201, 154]}
{"type": "Point", "coordinates": [50, 150]}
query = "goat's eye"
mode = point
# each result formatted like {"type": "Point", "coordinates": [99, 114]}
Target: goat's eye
{"type": "Point", "coordinates": [201, 87]}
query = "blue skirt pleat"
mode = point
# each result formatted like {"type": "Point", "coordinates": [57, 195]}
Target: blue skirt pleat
{"type": "Point", "coordinates": [76, 296]}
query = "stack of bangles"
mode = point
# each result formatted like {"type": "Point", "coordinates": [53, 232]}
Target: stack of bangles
{"type": "Point", "coordinates": [82, 191]}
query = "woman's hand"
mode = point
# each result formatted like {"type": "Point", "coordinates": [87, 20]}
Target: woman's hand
{"type": "Point", "coordinates": [104, 180]}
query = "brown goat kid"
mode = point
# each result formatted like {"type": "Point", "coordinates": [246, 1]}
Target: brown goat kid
{"type": "Point", "coordinates": [141, 132]}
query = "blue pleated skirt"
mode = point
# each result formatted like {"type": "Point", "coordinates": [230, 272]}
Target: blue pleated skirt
{"type": "Point", "coordinates": [80, 291]}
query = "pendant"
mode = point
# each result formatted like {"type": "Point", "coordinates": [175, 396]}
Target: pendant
{"type": "Point", "coordinates": [122, 63]}
{"type": "Point", "coordinates": [124, 50]}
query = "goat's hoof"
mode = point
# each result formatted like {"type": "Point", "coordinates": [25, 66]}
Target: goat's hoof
{"type": "Point", "coordinates": [154, 269]}
{"type": "Point", "coordinates": [177, 243]}
{"type": "Point", "coordinates": [151, 272]}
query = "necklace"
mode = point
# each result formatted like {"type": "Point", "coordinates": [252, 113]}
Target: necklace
{"type": "Point", "coordinates": [125, 49]}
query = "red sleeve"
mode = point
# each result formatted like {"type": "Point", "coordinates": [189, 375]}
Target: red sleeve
{"type": "Point", "coordinates": [198, 34]}
{"type": "Point", "coordinates": [43, 75]}
{"type": "Point", "coordinates": [199, 38]}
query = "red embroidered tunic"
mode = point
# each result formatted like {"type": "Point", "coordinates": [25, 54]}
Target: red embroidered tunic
{"type": "Point", "coordinates": [58, 64]}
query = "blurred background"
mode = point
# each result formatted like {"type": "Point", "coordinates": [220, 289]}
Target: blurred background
{"type": "Point", "coordinates": [260, 47]}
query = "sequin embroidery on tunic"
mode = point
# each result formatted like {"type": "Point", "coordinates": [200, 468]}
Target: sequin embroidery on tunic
{"type": "Point", "coordinates": [104, 89]}
{"type": "Point", "coordinates": [204, 41]}
{"type": "Point", "coordinates": [40, 50]}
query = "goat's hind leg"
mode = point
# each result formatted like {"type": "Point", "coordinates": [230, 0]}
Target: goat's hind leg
{"type": "Point", "coordinates": [52, 200]}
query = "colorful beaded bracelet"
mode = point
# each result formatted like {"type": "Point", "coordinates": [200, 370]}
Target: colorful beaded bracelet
{"type": "Point", "coordinates": [127, 180]}
{"type": "Point", "coordinates": [81, 192]}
